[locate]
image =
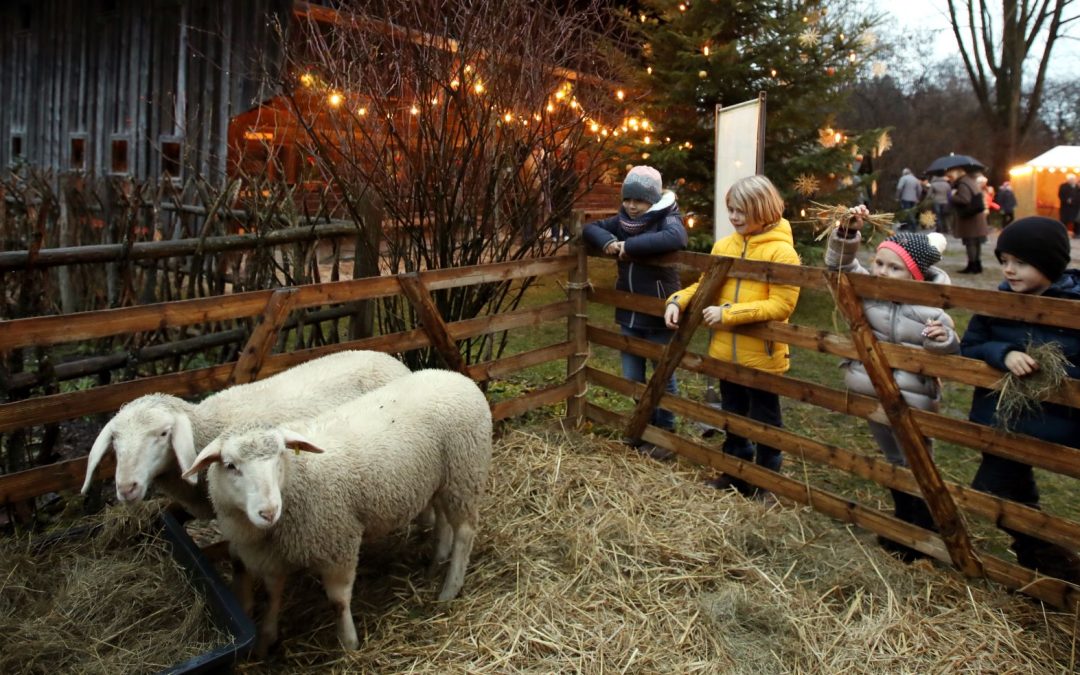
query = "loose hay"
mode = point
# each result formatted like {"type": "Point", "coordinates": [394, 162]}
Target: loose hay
{"type": "Point", "coordinates": [111, 602]}
{"type": "Point", "coordinates": [827, 217]}
{"type": "Point", "coordinates": [591, 559]}
{"type": "Point", "coordinates": [1021, 396]}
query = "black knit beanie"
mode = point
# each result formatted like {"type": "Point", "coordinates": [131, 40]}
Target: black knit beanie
{"type": "Point", "coordinates": [1041, 242]}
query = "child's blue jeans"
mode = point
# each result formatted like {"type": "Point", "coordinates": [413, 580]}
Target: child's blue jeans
{"type": "Point", "coordinates": [633, 368]}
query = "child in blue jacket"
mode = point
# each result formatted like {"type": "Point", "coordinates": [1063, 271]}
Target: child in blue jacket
{"type": "Point", "coordinates": [648, 224]}
{"type": "Point", "coordinates": [1034, 253]}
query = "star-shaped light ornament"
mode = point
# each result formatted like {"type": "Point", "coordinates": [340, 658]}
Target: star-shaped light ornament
{"type": "Point", "coordinates": [927, 219]}
{"type": "Point", "coordinates": [879, 68]}
{"type": "Point", "coordinates": [810, 37]}
{"type": "Point", "coordinates": [806, 184]}
{"type": "Point", "coordinates": [868, 39]}
{"type": "Point", "coordinates": [884, 143]}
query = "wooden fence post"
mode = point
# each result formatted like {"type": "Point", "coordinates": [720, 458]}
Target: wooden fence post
{"type": "Point", "coordinates": [577, 289]}
{"type": "Point", "coordinates": [263, 337]}
{"type": "Point", "coordinates": [711, 282]}
{"type": "Point", "coordinates": [907, 431]}
{"type": "Point", "coordinates": [413, 288]}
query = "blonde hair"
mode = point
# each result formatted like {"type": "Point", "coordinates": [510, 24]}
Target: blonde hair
{"type": "Point", "coordinates": [758, 198]}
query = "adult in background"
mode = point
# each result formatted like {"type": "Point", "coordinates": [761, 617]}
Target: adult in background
{"type": "Point", "coordinates": [939, 191]}
{"type": "Point", "coordinates": [1069, 199]}
{"type": "Point", "coordinates": [967, 203]}
{"type": "Point", "coordinates": [908, 191]}
{"type": "Point", "coordinates": [1006, 199]}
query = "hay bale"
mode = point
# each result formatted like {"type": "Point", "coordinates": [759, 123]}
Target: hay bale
{"type": "Point", "coordinates": [110, 602]}
{"type": "Point", "coordinates": [592, 559]}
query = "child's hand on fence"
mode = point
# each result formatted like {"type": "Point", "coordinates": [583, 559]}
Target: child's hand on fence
{"type": "Point", "coordinates": [713, 315]}
{"type": "Point", "coordinates": [616, 249]}
{"type": "Point", "coordinates": [671, 315]}
{"type": "Point", "coordinates": [935, 331]}
{"type": "Point", "coordinates": [1020, 364]}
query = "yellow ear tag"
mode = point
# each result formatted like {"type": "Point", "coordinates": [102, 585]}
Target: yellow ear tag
{"type": "Point", "coordinates": [296, 451]}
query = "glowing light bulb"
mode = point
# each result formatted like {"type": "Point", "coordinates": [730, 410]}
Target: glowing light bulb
{"type": "Point", "coordinates": [334, 99]}
{"type": "Point", "coordinates": [508, 117]}
{"type": "Point", "coordinates": [690, 222]}
{"type": "Point", "coordinates": [705, 50]}
{"type": "Point", "coordinates": [307, 79]}
{"type": "Point", "coordinates": [560, 95]}
{"type": "Point", "coordinates": [414, 110]}
{"type": "Point", "coordinates": [649, 70]}
{"type": "Point", "coordinates": [620, 94]}
{"type": "Point", "coordinates": [550, 108]}
{"type": "Point", "coordinates": [594, 127]}
{"type": "Point", "coordinates": [682, 6]}
{"type": "Point", "coordinates": [468, 69]}
{"type": "Point", "coordinates": [648, 140]}
{"type": "Point", "coordinates": [478, 88]}
{"type": "Point", "coordinates": [361, 111]}
{"type": "Point", "coordinates": [455, 83]}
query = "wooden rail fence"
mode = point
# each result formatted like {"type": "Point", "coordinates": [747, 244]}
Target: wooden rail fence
{"type": "Point", "coordinates": [951, 504]}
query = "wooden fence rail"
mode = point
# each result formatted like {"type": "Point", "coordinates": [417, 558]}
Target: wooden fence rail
{"type": "Point", "coordinates": [912, 425]}
{"type": "Point", "coordinates": [947, 499]}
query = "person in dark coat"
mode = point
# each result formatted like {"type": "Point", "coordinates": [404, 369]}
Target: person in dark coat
{"type": "Point", "coordinates": [1034, 253]}
{"type": "Point", "coordinates": [648, 224]}
{"type": "Point", "coordinates": [970, 209]}
{"type": "Point", "coordinates": [1006, 199]}
{"type": "Point", "coordinates": [1069, 200]}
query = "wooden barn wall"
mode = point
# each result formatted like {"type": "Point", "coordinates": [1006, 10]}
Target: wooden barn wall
{"type": "Point", "coordinates": [131, 69]}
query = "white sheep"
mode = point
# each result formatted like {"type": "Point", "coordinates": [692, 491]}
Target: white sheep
{"type": "Point", "coordinates": [157, 437]}
{"type": "Point", "coordinates": [381, 459]}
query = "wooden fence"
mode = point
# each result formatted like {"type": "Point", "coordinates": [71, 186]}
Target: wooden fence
{"type": "Point", "coordinates": [950, 503]}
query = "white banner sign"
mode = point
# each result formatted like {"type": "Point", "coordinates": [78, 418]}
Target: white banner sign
{"type": "Point", "coordinates": [739, 150]}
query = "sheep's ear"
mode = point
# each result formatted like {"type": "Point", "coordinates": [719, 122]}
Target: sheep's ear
{"type": "Point", "coordinates": [209, 455]}
{"type": "Point", "coordinates": [183, 443]}
{"type": "Point", "coordinates": [100, 447]}
{"type": "Point", "coordinates": [297, 442]}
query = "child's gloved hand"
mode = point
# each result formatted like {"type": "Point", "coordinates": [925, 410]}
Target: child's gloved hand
{"type": "Point", "coordinates": [1020, 363]}
{"type": "Point", "coordinates": [615, 248]}
{"type": "Point", "coordinates": [935, 331]}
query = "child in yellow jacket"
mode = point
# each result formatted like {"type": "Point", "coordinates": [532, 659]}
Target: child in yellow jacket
{"type": "Point", "coordinates": [761, 233]}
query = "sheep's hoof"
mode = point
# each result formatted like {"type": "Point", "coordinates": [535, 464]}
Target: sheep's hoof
{"type": "Point", "coordinates": [263, 644]}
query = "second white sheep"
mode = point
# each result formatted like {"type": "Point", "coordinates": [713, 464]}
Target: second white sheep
{"type": "Point", "coordinates": [370, 467]}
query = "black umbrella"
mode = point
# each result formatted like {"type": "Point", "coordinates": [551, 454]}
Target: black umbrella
{"type": "Point", "coordinates": [942, 164]}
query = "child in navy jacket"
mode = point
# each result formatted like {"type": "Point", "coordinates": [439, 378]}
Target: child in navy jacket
{"type": "Point", "coordinates": [1034, 253]}
{"type": "Point", "coordinates": [648, 224]}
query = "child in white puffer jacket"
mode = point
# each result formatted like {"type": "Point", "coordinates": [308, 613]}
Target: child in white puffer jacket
{"type": "Point", "coordinates": [902, 256]}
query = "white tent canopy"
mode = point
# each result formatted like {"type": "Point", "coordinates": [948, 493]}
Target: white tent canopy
{"type": "Point", "coordinates": [1061, 157]}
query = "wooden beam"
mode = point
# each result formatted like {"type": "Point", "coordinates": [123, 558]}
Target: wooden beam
{"type": "Point", "coordinates": [707, 291]}
{"type": "Point", "coordinates": [999, 511]}
{"type": "Point", "coordinates": [518, 405]}
{"type": "Point", "coordinates": [1048, 589]}
{"type": "Point", "coordinates": [49, 330]}
{"type": "Point", "coordinates": [577, 289]}
{"type": "Point", "coordinates": [487, 370]}
{"type": "Point", "coordinates": [432, 321]}
{"type": "Point", "coordinates": [907, 432]}
{"type": "Point", "coordinates": [65, 475]}
{"type": "Point", "coordinates": [263, 337]}
{"type": "Point", "coordinates": [1028, 449]}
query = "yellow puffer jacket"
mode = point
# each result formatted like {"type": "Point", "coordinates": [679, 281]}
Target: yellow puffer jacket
{"type": "Point", "coordinates": [750, 301]}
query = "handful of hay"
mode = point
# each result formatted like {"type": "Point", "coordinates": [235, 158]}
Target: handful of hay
{"type": "Point", "coordinates": [826, 217]}
{"type": "Point", "coordinates": [1019, 396]}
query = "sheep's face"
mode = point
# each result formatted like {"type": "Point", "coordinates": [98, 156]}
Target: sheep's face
{"type": "Point", "coordinates": [142, 440]}
{"type": "Point", "coordinates": [251, 472]}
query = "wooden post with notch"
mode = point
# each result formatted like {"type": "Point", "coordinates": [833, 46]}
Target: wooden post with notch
{"type": "Point", "coordinates": [577, 290]}
{"type": "Point", "coordinates": [712, 280]}
{"type": "Point", "coordinates": [413, 288]}
{"type": "Point", "coordinates": [263, 337]}
{"type": "Point", "coordinates": [907, 431]}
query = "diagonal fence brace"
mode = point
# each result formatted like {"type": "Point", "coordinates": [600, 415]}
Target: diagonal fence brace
{"type": "Point", "coordinates": [431, 321]}
{"type": "Point", "coordinates": [911, 438]}
{"type": "Point", "coordinates": [263, 337]}
{"type": "Point", "coordinates": [712, 280]}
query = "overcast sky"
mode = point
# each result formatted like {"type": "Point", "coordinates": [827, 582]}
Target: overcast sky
{"type": "Point", "coordinates": [929, 20]}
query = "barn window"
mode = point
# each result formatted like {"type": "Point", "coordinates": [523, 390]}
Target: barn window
{"type": "Point", "coordinates": [16, 146]}
{"type": "Point", "coordinates": [78, 153]}
{"type": "Point", "coordinates": [119, 162]}
{"type": "Point", "coordinates": [170, 157]}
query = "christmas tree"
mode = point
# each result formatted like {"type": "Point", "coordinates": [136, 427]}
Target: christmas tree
{"type": "Point", "coordinates": [805, 56]}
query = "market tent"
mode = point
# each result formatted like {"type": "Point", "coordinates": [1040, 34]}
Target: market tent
{"type": "Point", "coordinates": [1036, 181]}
